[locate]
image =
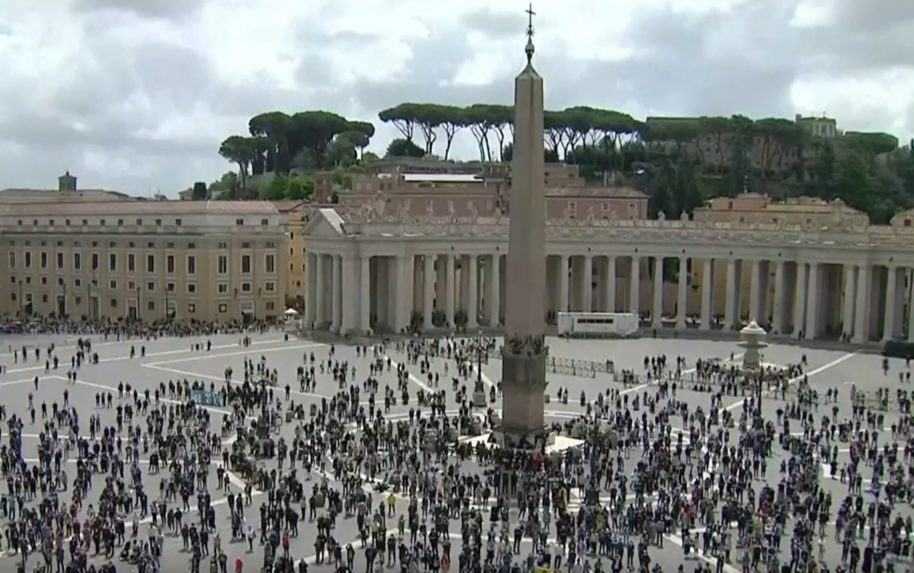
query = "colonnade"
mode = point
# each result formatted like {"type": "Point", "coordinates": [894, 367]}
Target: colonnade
{"type": "Point", "coordinates": [856, 301]}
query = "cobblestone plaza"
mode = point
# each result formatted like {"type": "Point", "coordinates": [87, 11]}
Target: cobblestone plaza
{"type": "Point", "coordinates": [172, 360]}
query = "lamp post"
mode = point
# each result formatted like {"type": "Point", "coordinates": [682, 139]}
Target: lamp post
{"type": "Point", "coordinates": [479, 392]}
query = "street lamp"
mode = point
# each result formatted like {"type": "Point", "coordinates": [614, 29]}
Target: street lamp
{"type": "Point", "coordinates": [479, 392]}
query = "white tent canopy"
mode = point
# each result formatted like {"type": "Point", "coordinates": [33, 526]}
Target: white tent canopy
{"type": "Point", "coordinates": [291, 312]}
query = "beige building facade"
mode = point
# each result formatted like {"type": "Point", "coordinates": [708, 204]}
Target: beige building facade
{"type": "Point", "coordinates": [838, 281]}
{"type": "Point", "coordinates": [143, 260]}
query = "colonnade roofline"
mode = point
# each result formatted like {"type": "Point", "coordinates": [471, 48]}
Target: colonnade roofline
{"type": "Point", "coordinates": [787, 235]}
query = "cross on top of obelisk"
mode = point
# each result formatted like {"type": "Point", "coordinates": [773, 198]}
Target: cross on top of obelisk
{"type": "Point", "coordinates": [529, 49]}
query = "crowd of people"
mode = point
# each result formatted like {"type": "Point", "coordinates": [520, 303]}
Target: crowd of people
{"type": "Point", "coordinates": [364, 452]}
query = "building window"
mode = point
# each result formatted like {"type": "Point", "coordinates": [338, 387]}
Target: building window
{"type": "Point", "coordinates": [264, 222]}
{"type": "Point", "coordinates": [28, 259]}
{"type": "Point", "coordinates": [150, 286]}
{"type": "Point", "coordinates": [158, 222]}
{"type": "Point", "coordinates": [239, 222]}
{"type": "Point", "coordinates": [246, 264]}
{"type": "Point", "coordinates": [191, 308]}
{"type": "Point", "coordinates": [94, 261]}
{"type": "Point", "coordinates": [13, 296]}
{"type": "Point", "coordinates": [44, 260]}
{"type": "Point", "coordinates": [177, 222]}
{"type": "Point", "coordinates": [113, 303]}
{"type": "Point", "coordinates": [269, 286]}
{"type": "Point", "coordinates": [271, 263]}
{"type": "Point", "coordinates": [223, 308]}
{"type": "Point", "coordinates": [13, 280]}
{"type": "Point", "coordinates": [245, 287]}
{"type": "Point", "coordinates": [59, 261]}
{"type": "Point", "coordinates": [170, 264]}
{"type": "Point", "coordinates": [222, 288]}
{"type": "Point", "coordinates": [150, 263]}
{"type": "Point", "coordinates": [12, 260]}
{"type": "Point", "coordinates": [170, 287]}
{"type": "Point", "coordinates": [77, 261]}
{"type": "Point", "coordinates": [151, 305]}
{"type": "Point", "coordinates": [222, 264]}
{"type": "Point", "coordinates": [77, 283]}
{"type": "Point", "coordinates": [112, 262]}
{"type": "Point", "coordinates": [192, 288]}
{"type": "Point", "coordinates": [191, 265]}
{"type": "Point", "coordinates": [131, 262]}
{"type": "Point", "coordinates": [44, 280]}
{"type": "Point", "coordinates": [131, 285]}
{"type": "Point", "coordinates": [270, 305]}
{"type": "Point", "coordinates": [112, 285]}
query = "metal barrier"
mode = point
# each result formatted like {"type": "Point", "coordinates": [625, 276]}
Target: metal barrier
{"type": "Point", "coordinates": [579, 367]}
{"type": "Point", "coordinates": [206, 397]}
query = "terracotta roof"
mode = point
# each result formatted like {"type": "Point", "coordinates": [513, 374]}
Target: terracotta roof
{"type": "Point", "coordinates": [141, 208]}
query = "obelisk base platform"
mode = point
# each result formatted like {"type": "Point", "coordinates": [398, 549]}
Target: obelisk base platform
{"type": "Point", "coordinates": [523, 387]}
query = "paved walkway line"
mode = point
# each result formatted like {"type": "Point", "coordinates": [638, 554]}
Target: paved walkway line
{"type": "Point", "coordinates": [238, 353]}
{"type": "Point", "coordinates": [811, 373]}
{"type": "Point", "coordinates": [412, 378]}
{"type": "Point", "coordinates": [232, 381]}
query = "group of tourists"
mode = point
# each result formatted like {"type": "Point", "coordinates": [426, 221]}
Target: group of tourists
{"type": "Point", "coordinates": [370, 455]}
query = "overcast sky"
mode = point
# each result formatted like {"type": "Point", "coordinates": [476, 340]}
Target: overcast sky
{"type": "Point", "coordinates": [136, 95]}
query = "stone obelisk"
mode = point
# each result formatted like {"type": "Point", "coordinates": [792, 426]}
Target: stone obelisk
{"type": "Point", "coordinates": [524, 352]}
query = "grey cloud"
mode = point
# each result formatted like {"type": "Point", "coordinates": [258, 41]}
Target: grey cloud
{"type": "Point", "coordinates": [493, 23]}
{"type": "Point", "coordinates": [165, 9]}
{"type": "Point", "coordinates": [99, 108]}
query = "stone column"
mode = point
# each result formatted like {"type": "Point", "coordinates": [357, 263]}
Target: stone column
{"type": "Point", "coordinates": [472, 295]}
{"type": "Point", "coordinates": [336, 292]}
{"type": "Point", "coordinates": [404, 292]}
{"type": "Point", "coordinates": [862, 314]}
{"type": "Point", "coordinates": [495, 292]}
{"type": "Point", "coordinates": [683, 293]}
{"type": "Point", "coordinates": [731, 309]}
{"type": "Point", "coordinates": [587, 284]}
{"type": "Point", "coordinates": [755, 292]}
{"type": "Point", "coordinates": [910, 305]}
{"type": "Point", "coordinates": [563, 283]}
{"type": "Point", "coordinates": [657, 312]}
{"type": "Point", "coordinates": [319, 292]}
{"type": "Point", "coordinates": [799, 307]}
{"type": "Point", "coordinates": [449, 290]}
{"type": "Point", "coordinates": [888, 327]}
{"type": "Point", "coordinates": [850, 299]}
{"type": "Point", "coordinates": [428, 306]}
{"type": "Point", "coordinates": [610, 284]}
{"type": "Point", "coordinates": [635, 294]}
{"type": "Point", "coordinates": [365, 298]}
{"type": "Point", "coordinates": [812, 302]}
{"type": "Point", "coordinates": [348, 297]}
{"type": "Point", "coordinates": [707, 286]}
{"type": "Point", "coordinates": [309, 290]}
{"type": "Point", "coordinates": [777, 320]}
